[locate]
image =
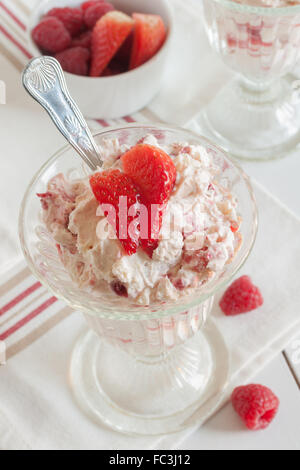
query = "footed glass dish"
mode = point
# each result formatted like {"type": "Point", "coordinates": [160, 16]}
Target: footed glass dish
{"type": "Point", "coordinates": [256, 115]}
{"type": "Point", "coordinates": [140, 369]}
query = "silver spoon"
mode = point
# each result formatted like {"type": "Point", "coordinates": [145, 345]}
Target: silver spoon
{"type": "Point", "coordinates": [44, 80]}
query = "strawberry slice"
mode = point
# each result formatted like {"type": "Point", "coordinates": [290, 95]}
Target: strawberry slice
{"type": "Point", "coordinates": [149, 35]}
{"type": "Point", "coordinates": [108, 35]}
{"type": "Point", "coordinates": [108, 188]}
{"type": "Point", "coordinates": [124, 53]}
{"type": "Point", "coordinates": [154, 173]}
{"type": "Point", "coordinates": [152, 170]}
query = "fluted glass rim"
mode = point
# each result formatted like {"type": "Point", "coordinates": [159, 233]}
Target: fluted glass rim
{"type": "Point", "coordinates": [266, 11]}
{"type": "Point", "coordinates": [138, 312]}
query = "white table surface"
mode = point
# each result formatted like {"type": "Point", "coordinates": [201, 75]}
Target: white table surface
{"type": "Point", "coordinates": [28, 151]}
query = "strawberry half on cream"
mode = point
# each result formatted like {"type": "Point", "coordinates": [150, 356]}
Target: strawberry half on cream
{"type": "Point", "coordinates": [153, 225]}
{"type": "Point", "coordinates": [147, 182]}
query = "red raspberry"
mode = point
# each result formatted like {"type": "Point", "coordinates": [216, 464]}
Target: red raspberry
{"type": "Point", "coordinates": [241, 297]}
{"type": "Point", "coordinates": [95, 12]}
{"type": "Point", "coordinates": [83, 40]}
{"type": "Point", "coordinates": [74, 60]}
{"type": "Point", "coordinates": [72, 18]}
{"type": "Point", "coordinates": [89, 3]}
{"type": "Point", "coordinates": [256, 405]}
{"type": "Point", "coordinates": [51, 36]}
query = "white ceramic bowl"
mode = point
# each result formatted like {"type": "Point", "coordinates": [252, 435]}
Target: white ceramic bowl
{"type": "Point", "coordinates": [119, 95]}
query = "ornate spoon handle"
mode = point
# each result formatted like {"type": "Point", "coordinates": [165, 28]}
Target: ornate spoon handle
{"type": "Point", "coordinates": [44, 80]}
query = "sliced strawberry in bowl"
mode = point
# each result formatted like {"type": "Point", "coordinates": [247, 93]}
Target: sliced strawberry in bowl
{"type": "Point", "coordinates": [115, 67]}
{"type": "Point", "coordinates": [119, 200]}
{"type": "Point", "coordinates": [124, 53]}
{"type": "Point", "coordinates": [108, 35]}
{"type": "Point", "coordinates": [149, 36]}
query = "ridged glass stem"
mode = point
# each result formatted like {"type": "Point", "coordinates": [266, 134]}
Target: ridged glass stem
{"type": "Point", "coordinates": [165, 356]}
{"type": "Point", "coordinates": [151, 360]}
{"type": "Point", "coordinates": [259, 92]}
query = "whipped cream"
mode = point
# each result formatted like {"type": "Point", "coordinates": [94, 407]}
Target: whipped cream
{"type": "Point", "coordinates": [199, 234]}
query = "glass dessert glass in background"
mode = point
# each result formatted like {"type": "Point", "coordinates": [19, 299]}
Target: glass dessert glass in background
{"type": "Point", "coordinates": [257, 115]}
{"type": "Point", "coordinates": [140, 369]}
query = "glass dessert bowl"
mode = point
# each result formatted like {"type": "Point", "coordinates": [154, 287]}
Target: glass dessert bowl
{"type": "Point", "coordinates": [256, 115]}
{"type": "Point", "coordinates": [141, 368]}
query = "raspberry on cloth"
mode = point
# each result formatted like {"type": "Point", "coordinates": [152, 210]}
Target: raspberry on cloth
{"type": "Point", "coordinates": [256, 405]}
{"type": "Point", "coordinates": [241, 297]}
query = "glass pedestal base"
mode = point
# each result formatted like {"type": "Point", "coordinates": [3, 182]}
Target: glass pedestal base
{"type": "Point", "coordinates": [253, 124]}
{"type": "Point", "coordinates": [149, 395]}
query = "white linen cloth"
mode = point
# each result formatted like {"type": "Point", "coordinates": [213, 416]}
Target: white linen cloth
{"type": "Point", "coordinates": [36, 409]}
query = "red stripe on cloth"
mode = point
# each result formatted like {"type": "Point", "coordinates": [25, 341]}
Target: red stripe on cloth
{"type": "Point", "coordinates": [102, 122]}
{"type": "Point", "coordinates": [13, 16]}
{"type": "Point", "coordinates": [28, 318]}
{"type": "Point", "coordinates": [15, 42]}
{"type": "Point", "coordinates": [129, 119]}
{"type": "Point", "coordinates": [19, 298]}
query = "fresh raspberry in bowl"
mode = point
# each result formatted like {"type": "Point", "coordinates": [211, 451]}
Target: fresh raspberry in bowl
{"type": "Point", "coordinates": [74, 60]}
{"type": "Point", "coordinates": [94, 12]}
{"type": "Point", "coordinates": [128, 44]}
{"type": "Point", "coordinates": [104, 30]}
{"type": "Point", "coordinates": [72, 18]}
{"type": "Point", "coordinates": [51, 35]}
